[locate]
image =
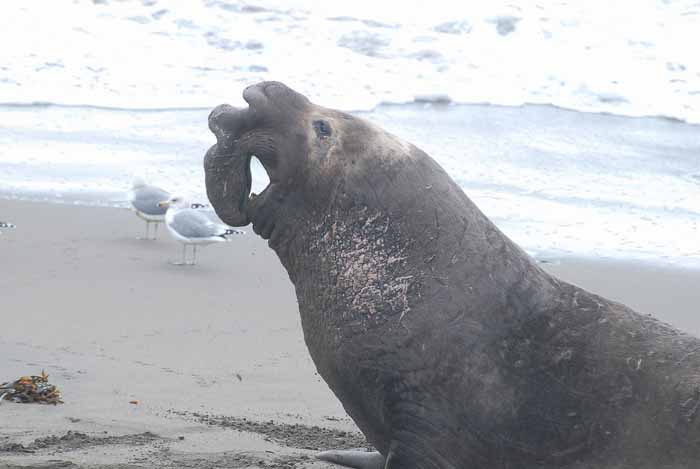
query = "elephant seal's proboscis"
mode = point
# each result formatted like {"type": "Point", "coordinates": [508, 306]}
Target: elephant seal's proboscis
{"type": "Point", "coordinates": [445, 342]}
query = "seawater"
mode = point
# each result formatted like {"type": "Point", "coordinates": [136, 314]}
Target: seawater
{"type": "Point", "coordinates": [558, 182]}
{"type": "Point", "coordinates": [95, 92]}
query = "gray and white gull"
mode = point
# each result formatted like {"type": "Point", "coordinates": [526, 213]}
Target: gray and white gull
{"type": "Point", "coordinates": [144, 200]}
{"type": "Point", "coordinates": [193, 227]}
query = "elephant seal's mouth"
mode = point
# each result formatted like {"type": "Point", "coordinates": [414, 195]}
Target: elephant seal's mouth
{"type": "Point", "coordinates": [227, 166]}
{"type": "Point", "coordinates": [260, 208]}
{"type": "Point", "coordinates": [229, 188]}
{"type": "Point", "coordinates": [228, 182]}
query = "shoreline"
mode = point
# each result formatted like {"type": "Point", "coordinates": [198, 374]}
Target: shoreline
{"type": "Point", "coordinates": [214, 354]}
{"type": "Point", "coordinates": [546, 259]}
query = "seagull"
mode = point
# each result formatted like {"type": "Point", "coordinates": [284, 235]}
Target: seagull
{"type": "Point", "coordinates": [144, 201]}
{"type": "Point", "coordinates": [193, 226]}
{"type": "Point", "coordinates": [4, 224]}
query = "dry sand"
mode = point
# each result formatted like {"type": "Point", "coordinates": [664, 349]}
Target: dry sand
{"type": "Point", "coordinates": [214, 354]}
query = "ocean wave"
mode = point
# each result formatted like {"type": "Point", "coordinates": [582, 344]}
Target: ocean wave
{"type": "Point", "coordinates": [49, 104]}
{"type": "Point", "coordinates": [437, 99]}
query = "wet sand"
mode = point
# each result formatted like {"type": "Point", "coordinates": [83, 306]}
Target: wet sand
{"type": "Point", "coordinates": [214, 354]}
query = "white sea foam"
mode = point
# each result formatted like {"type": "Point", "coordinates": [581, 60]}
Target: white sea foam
{"type": "Point", "coordinates": [630, 57]}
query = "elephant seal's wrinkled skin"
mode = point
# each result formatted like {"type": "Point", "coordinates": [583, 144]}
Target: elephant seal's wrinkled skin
{"type": "Point", "coordinates": [444, 341]}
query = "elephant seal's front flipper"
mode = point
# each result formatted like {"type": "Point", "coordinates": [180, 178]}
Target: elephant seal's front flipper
{"type": "Point", "coordinates": [354, 458]}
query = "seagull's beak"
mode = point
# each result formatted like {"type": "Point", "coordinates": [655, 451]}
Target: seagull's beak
{"type": "Point", "coordinates": [164, 204]}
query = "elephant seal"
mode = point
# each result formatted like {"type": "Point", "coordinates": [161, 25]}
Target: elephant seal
{"type": "Point", "coordinates": [445, 342]}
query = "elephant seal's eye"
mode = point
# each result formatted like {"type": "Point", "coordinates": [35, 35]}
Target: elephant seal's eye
{"type": "Point", "coordinates": [322, 128]}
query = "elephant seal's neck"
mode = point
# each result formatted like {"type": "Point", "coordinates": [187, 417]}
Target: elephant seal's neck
{"type": "Point", "coordinates": [357, 267]}
{"type": "Point", "coordinates": [360, 258]}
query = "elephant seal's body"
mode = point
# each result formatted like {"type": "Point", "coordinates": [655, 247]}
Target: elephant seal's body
{"type": "Point", "coordinates": [444, 341]}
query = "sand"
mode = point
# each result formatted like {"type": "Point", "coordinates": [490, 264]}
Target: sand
{"type": "Point", "coordinates": [213, 354]}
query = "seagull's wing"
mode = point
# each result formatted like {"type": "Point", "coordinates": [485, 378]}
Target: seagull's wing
{"type": "Point", "coordinates": [209, 213]}
{"type": "Point", "coordinates": [192, 223]}
{"type": "Point", "coordinates": [145, 199]}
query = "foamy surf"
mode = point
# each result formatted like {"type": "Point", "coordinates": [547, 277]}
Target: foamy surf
{"type": "Point", "coordinates": [630, 57]}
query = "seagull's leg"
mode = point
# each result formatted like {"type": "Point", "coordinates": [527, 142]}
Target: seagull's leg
{"type": "Point", "coordinates": [184, 254]}
{"type": "Point", "coordinates": [194, 254]}
{"type": "Point", "coordinates": [155, 234]}
{"type": "Point", "coordinates": [139, 237]}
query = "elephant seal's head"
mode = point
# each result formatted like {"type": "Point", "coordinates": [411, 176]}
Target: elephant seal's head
{"type": "Point", "coordinates": [313, 156]}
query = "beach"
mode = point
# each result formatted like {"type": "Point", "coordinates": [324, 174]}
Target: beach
{"type": "Point", "coordinates": [204, 366]}
{"type": "Point", "coordinates": [111, 321]}
{"type": "Point", "coordinates": [574, 127]}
